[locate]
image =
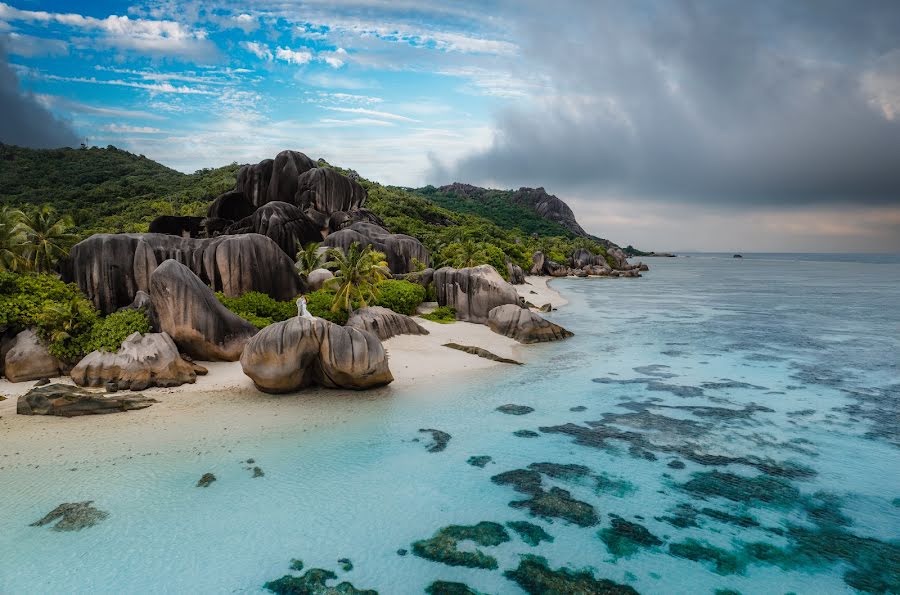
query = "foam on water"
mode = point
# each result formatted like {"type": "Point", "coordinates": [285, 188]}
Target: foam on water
{"type": "Point", "coordinates": [805, 350]}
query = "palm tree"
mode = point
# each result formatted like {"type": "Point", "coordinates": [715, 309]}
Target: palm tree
{"type": "Point", "coordinates": [46, 238]}
{"type": "Point", "coordinates": [356, 275]}
{"type": "Point", "coordinates": [465, 254]}
{"type": "Point", "coordinates": [11, 238]}
{"type": "Point", "coordinates": [308, 259]}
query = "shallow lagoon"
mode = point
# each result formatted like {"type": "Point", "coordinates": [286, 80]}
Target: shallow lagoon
{"type": "Point", "coordinates": [782, 372]}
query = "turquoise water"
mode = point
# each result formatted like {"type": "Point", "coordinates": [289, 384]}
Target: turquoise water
{"type": "Point", "coordinates": [774, 382]}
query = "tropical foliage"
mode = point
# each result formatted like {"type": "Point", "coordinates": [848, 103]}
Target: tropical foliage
{"type": "Point", "coordinates": [357, 274]}
{"type": "Point", "coordinates": [46, 238]}
{"type": "Point", "coordinates": [11, 239]}
{"type": "Point", "coordinates": [308, 259]}
{"type": "Point", "coordinates": [258, 308]}
{"type": "Point", "coordinates": [441, 314]}
{"type": "Point", "coordinates": [400, 296]}
{"type": "Point", "coordinates": [108, 333]}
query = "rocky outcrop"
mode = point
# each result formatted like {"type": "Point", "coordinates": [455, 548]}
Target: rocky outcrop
{"type": "Point", "coordinates": [618, 257]}
{"type": "Point", "coordinates": [283, 223]}
{"type": "Point", "coordinates": [473, 292]}
{"type": "Point", "coordinates": [323, 191]}
{"type": "Point", "coordinates": [341, 219]}
{"type": "Point", "coordinates": [317, 279]}
{"type": "Point", "coordinates": [27, 358]}
{"type": "Point", "coordinates": [253, 181]}
{"type": "Point", "coordinates": [142, 361]}
{"type": "Point", "coordinates": [112, 268]}
{"type": "Point", "coordinates": [290, 355]}
{"type": "Point", "coordinates": [515, 273]}
{"type": "Point", "coordinates": [187, 227]}
{"type": "Point", "coordinates": [71, 401]}
{"type": "Point", "coordinates": [231, 206]}
{"type": "Point", "coordinates": [549, 207]}
{"type": "Point", "coordinates": [524, 326]}
{"type": "Point", "coordinates": [399, 249]}
{"type": "Point", "coordinates": [286, 171]}
{"type": "Point", "coordinates": [384, 323]}
{"type": "Point", "coordinates": [192, 316]}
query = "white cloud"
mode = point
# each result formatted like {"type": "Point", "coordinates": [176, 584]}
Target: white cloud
{"type": "Point", "coordinates": [152, 87]}
{"type": "Point", "coordinates": [30, 46]}
{"type": "Point", "coordinates": [55, 101]}
{"type": "Point", "coordinates": [290, 56]}
{"type": "Point", "coordinates": [368, 112]}
{"type": "Point", "coordinates": [125, 129]}
{"type": "Point", "coordinates": [355, 122]}
{"type": "Point", "coordinates": [334, 59]}
{"type": "Point", "coordinates": [260, 50]}
{"type": "Point", "coordinates": [329, 80]}
{"type": "Point", "coordinates": [337, 97]}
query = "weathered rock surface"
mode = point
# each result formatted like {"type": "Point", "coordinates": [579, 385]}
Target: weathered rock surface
{"type": "Point", "coordinates": [317, 278]}
{"type": "Point", "coordinates": [71, 401]}
{"type": "Point", "coordinates": [286, 171]}
{"type": "Point", "coordinates": [399, 249]}
{"type": "Point", "coordinates": [323, 191]}
{"type": "Point", "coordinates": [481, 352]}
{"type": "Point", "coordinates": [27, 359]}
{"type": "Point", "coordinates": [188, 227]}
{"type": "Point", "coordinates": [524, 326]}
{"type": "Point", "coordinates": [253, 181]}
{"type": "Point", "coordinates": [142, 361]}
{"type": "Point", "coordinates": [192, 316]}
{"type": "Point", "coordinates": [283, 223]}
{"type": "Point", "coordinates": [619, 258]}
{"type": "Point", "coordinates": [384, 323]}
{"type": "Point", "coordinates": [112, 268]}
{"type": "Point", "coordinates": [290, 355]}
{"type": "Point", "coordinates": [231, 206]}
{"type": "Point", "coordinates": [516, 274]}
{"type": "Point", "coordinates": [473, 292]}
{"type": "Point", "coordinates": [341, 219]}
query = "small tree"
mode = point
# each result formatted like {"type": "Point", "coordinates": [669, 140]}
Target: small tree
{"type": "Point", "coordinates": [356, 276]}
{"type": "Point", "coordinates": [464, 254]}
{"type": "Point", "coordinates": [46, 238]}
{"type": "Point", "coordinates": [308, 259]}
{"type": "Point", "coordinates": [11, 239]}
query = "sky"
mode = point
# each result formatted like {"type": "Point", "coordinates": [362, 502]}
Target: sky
{"type": "Point", "coordinates": [702, 125]}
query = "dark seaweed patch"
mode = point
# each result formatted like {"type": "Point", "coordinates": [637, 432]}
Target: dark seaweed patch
{"type": "Point", "coordinates": [313, 583]}
{"type": "Point", "coordinates": [625, 538]}
{"type": "Point", "coordinates": [657, 370]}
{"type": "Point", "coordinates": [535, 576]}
{"type": "Point", "coordinates": [442, 546]}
{"type": "Point", "coordinates": [72, 516]}
{"type": "Point", "coordinates": [439, 439]}
{"type": "Point", "coordinates": [479, 460]}
{"type": "Point", "coordinates": [529, 532]}
{"type": "Point", "coordinates": [738, 488]}
{"type": "Point", "coordinates": [512, 409]}
{"type": "Point", "coordinates": [450, 588]}
{"type": "Point", "coordinates": [525, 434]}
{"type": "Point", "coordinates": [724, 562]}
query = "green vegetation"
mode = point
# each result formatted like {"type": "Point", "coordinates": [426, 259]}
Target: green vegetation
{"type": "Point", "coordinates": [400, 296]}
{"type": "Point", "coordinates": [308, 259]}
{"type": "Point", "coordinates": [108, 333]}
{"type": "Point", "coordinates": [34, 240]}
{"type": "Point", "coordinates": [441, 314]}
{"type": "Point", "coordinates": [258, 309]}
{"type": "Point", "coordinates": [356, 276]}
{"type": "Point", "coordinates": [319, 303]}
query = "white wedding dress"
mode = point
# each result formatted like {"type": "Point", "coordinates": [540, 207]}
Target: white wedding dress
{"type": "Point", "coordinates": [302, 312]}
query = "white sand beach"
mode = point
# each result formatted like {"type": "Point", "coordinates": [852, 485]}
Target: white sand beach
{"type": "Point", "coordinates": [225, 402]}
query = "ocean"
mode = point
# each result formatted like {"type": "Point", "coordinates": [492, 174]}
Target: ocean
{"type": "Point", "coordinates": [719, 425]}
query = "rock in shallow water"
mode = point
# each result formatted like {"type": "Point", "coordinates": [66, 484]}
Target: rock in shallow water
{"type": "Point", "coordinates": [72, 516]}
{"type": "Point", "coordinates": [71, 401]}
{"type": "Point", "coordinates": [290, 355]}
{"type": "Point", "coordinates": [443, 546]}
{"type": "Point", "coordinates": [513, 409]}
{"type": "Point", "coordinates": [206, 480]}
{"type": "Point", "coordinates": [535, 576]}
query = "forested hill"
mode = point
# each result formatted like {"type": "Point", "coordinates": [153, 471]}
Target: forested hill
{"type": "Point", "coordinates": [111, 190]}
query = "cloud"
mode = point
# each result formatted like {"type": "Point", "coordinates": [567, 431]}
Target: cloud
{"type": "Point", "coordinates": [732, 104]}
{"type": "Point", "coordinates": [30, 46]}
{"type": "Point", "coordinates": [355, 122]}
{"type": "Point", "coordinates": [154, 88]}
{"type": "Point", "coordinates": [145, 36]}
{"type": "Point", "coordinates": [126, 129]}
{"type": "Point", "coordinates": [260, 50]}
{"type": "Point", "coordinates": [293, 56]}
{"type": "Point", "coordinates": [368, 112]}
{"type": "Point", "coordinates": [50, 101]}
{"type": "Point", "coordinates": [25, 121]}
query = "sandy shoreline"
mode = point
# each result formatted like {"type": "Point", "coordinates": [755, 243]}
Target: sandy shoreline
{"type": "Point", "coordinates": [225, 403]}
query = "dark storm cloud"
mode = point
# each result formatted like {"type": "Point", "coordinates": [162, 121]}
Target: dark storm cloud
{"type": "Point", "coordinates": [24, 121]}
{"type": "Point", "coordinates": [735, 103]}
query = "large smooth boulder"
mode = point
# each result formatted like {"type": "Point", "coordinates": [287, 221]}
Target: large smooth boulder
{"type": "Point", "coordinates": [384, 323]}
{"type": "Point", "coordinates": [341, 219]}
{"type": "Point", "coordinates": [473, 292]}
{"type": "Point", "coordinates": [290, 355]}
{"type": "Point", "coordinates": [142, 361]}
{"type": "Point", "coordinates": [230, 206]}
{"type": "Point", "coordinates": [194, 318]}
{"type": "Point", "coordinates": [582, 258]}
{"type": "Point", "coordinates": [253, 181]}
{"type": "Point", "coordinates": [326, 191]}
{"type": "Point", "coordinates": [283, 223]}
{"type": "Point", "coordinates": [619, 258]}
{"type": "Point", "coordinates": [317, 279]}
{"type": "Point", "coordinates": [524, 326]}
{"type": "Point", "coordinates": [27, 358]}
{"type": "Point", "coordinates": [537, 260]}
{"type": "Point", "coordinates": [399, 249]}
{"type": "Point", "coordinates": [515, 272]}
{"type": "Point", "coordinates": [286, 171]}
{"type": "Point", "coordinates": [175, 225]}
{"type": "Point", "coordinates": [71, 401]}
{"type": "Point", "coordinates": [112, 268]}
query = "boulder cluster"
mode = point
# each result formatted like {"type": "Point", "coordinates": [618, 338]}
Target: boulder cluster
{"type": "Point", "coordinates": [583, 263]}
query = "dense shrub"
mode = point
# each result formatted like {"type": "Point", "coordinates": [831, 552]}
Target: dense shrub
{"type": "Point", "coordinates": [319, 304]}
{"type": "Point", "coordinates": [59, 312]}
{"type": "Point", "coordinates": [441, 314]}
{"type": "Point", "coordinates": [402, 297]}
{"type": "Point", "coordinates": [258, 308]}
{"type": "Point", "coordinates": [108, 333]}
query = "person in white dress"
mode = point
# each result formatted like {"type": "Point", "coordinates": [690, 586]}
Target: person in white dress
{"type": "Point", "coordinates": [302, 312]}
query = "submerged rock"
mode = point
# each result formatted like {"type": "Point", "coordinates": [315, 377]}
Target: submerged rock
{"type": "Point", "coordinates": [523, 325]}
{"type": "Point", "coordinates": [27, 358]}
{"type": "Point", "coordinates": [314, 582]}
{"type": "Point", "coordinates": [295, 353]}
{"type": "Point", "coordinates": [479, 460]}
{"type": "Point", "coordinates": [555, 503]}
{"type": "Point", "coordinates": [194, 318]}
{"type": "Point", "coordinates": [450, 588]}
{"type": "Point", "coordinates": [529, 532]}
{"type": "Point", "coordinates": [71, 401]}
{"type": "Point", "coordinates": [346, 564]}
{"type": "Point", "coordinates": [482, 353]}
{"type": "Point", "coordinates": [512, 409]}
{"type": "Point", "coordinates": [724, 562]}
{"type": "Point", "coordinates": [442, 547]}
{"type": "Point", "coordinates": [473, 292]}
{"type": "Point", "coordinates": [624, 538]}
{"type": "Point", "coordinates": [206, 480]}
{"type": "Point", "coordinates": [738, 488]}
{"type": "Point", "coordinates": [142, 361]}
{"type": "Point", "coordinates": [384, 323]}
{"type": "Point", "coordinates": [439, 439]}
{"type": "Point", "coordinates": [72, 516]}
{"type": "Point", "coordinates": [535, 577]}
{"type": "Point", "coordinates": [525, 434]}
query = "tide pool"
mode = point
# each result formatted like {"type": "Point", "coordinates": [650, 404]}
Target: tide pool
{"type": "Point", "coordinates": [718, 424]}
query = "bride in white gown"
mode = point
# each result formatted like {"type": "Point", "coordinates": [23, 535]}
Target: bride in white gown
{"type": "Point", "coordinates": [302, 312]}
